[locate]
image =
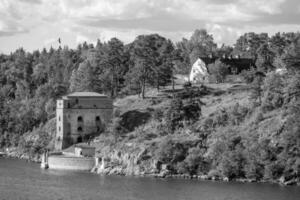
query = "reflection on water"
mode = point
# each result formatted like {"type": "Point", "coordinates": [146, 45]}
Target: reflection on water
{"type": "Point", "coordinates": [23, 180]}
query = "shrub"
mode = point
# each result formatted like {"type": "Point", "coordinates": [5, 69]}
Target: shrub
{"type": "Point", "coordinates": [214, 173]}
{"type": "Point", "coordinates": [192, 111]}
{"type": "Point", "coordinates": [170, 152]}
{"type": "Point", "coordinates": [182, 168]}
{"type": "Point", "coordinates": [273, 170]}
{"type": "Point", "coordinates": [248, 75]}
{"type": "Point", "coordinates": [219, 71]}
{"type": "Point", "coordinates": [158, 115]}
{"type": "Point", "coordinates": [187, 85]}
{"type": "Point", "coordinates": [174, 115]}
{"type": "Point", "coordinates": [195, 160]}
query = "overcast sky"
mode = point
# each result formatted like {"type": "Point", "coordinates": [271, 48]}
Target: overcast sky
{"type": "Point", "coordinates": [34, 24]}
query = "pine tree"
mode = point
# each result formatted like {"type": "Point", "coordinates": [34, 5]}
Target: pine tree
{"type": "Point", "coordinates": [82, 78]}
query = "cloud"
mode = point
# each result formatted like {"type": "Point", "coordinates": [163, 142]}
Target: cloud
{"type": "Point", "coordinates": [82, 38]}
{"type": "Point", "coordinates": [90, 19]}
{"type": "Point", "coordinates": [31, 1]}
{"type": "Point", "coordinates": [50, 41]}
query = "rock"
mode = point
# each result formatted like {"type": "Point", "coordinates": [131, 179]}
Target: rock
{"type": "Point", "coordinates": [290, 182]}
{"type": "Point", "coordinates": [226, 179]}
{"type": "Point", "coordinates": [203, 177]}
{"type": "Point", "coordinates": [252, 180]}
{"type": "Point", "coordinates": [242, 180]}
{"type": "Point", "coordinates": [281, 180]}
{"type": "Point", "coordinates": [215, 178]}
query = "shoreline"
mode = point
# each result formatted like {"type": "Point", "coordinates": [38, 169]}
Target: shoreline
{"type": "Point", "coordinates": [169, 176]}
{"type": "Point", "coordinates": [213, 179]}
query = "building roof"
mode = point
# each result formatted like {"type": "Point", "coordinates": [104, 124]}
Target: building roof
{"type": "Point", "coordinates": [84, 94]}
{"type": "Point", "coordinates": [238, 63]}
{"type": "Point", "coordinates": [208, 60]}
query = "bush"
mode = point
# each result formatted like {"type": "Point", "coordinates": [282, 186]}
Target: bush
{"type": "Point", "coordinates": [158, 115]}
{"type": "Point", "coordinates": [214, 173]}
{"type": "Point", "coordinates": [174, 115]}
{"type": "Point", "coordinates": [187, 85]}
{"type": "Point", "coordinates": [248, 75]}
{"type": "Point", "coordinates": [182, 168]}
{"type": "Point", "coordinates": [195, 161]}
{"type": "Point", "coordinates": [218, 71]}
{"type": "Point", "coordinates": [273, 170]}
{"type": "Point", "coordinates": [170, 152]}
{"type": "Point", "coordinates": [192, 111]}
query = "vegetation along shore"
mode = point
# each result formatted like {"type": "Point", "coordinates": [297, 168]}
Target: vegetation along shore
{"type": "Point", "coordinates": [235, 125]}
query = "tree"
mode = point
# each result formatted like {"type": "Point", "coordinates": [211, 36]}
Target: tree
{"type": "Point", "coordinates": [201, 44]}
{"type": "Point", "coordinates": [112, 63]}
{"type": "Point", "coordinates": [151, 64]}
{"type": "Point", "coordinates": [256, 89]}
{"type": "Point", "coordinates": [247, 44]}
{"type": "Point", "coordinates": [292, 58]}
{"type": "Point", "coordinates": [174, 115]}
{"type": "Point", "coordinates": [265, 58]}
{"type": "Point", "coordinates": [82, 79]}
{"type": "Point", "coordinates": [219, 71]}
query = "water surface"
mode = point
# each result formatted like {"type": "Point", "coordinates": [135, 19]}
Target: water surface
{"type": "Point", "coordinates": [23, 180]}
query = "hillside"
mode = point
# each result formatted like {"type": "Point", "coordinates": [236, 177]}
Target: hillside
{"type": "Point", "coordinates": [230, 140]}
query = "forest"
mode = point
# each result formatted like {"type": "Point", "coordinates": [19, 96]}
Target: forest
{"type": "Point", "coordinates": [31, 82]}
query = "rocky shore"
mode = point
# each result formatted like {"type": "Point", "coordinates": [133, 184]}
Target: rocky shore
{"type": "Point", "coordinates": [16, 153]}
{"type": "Point", "coordinates": [281, 181]}
{"type": "Point", "coordinates": [141, 164]}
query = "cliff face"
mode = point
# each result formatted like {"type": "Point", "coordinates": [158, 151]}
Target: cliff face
{"type": "Point", "coordinates": [128, 159]}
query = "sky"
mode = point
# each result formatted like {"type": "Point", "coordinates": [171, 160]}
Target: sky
{"type": "Point", "coordinates": [35, 24]}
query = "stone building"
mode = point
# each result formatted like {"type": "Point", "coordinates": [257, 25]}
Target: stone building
{"type": "Point", "coordinates": [79, 116]}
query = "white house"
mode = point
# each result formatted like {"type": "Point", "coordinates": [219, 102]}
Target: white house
{"type": "Point", "coordinates": [199, 72]}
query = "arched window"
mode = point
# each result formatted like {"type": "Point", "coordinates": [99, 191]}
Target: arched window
{"type": "Point", "coordinates": [79, 118]}
{"type": "Point", "coordinates": [79, 129]}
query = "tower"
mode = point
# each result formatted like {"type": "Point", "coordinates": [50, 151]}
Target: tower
{"type": "Point", "coordinates": [79, 116]}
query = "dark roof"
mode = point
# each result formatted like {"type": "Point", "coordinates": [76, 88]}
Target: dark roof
{"type": "Point", "coordinates": [208, 60]}
{"type": "Point", "coordinates": [238, 62]}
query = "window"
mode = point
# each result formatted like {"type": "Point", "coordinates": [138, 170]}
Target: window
{"type": "Point", "coordinates": [79, 129]}
{"type": "Point", "coordinates": [59, 118]}
{"type": "Point", "coordinates": [76, 101]}
{"type": "Point", "coordinates": [59, 128]}
{"type": "Point", "coordinates": [79, 119]}
{"type": "Point", "coordinates": [69, 105]}
{"type": "Point", "coordinates": [97, 118]}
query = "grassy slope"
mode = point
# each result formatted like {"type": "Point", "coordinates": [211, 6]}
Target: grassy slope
{"type": "Point", "coordinates": [144, 140]}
